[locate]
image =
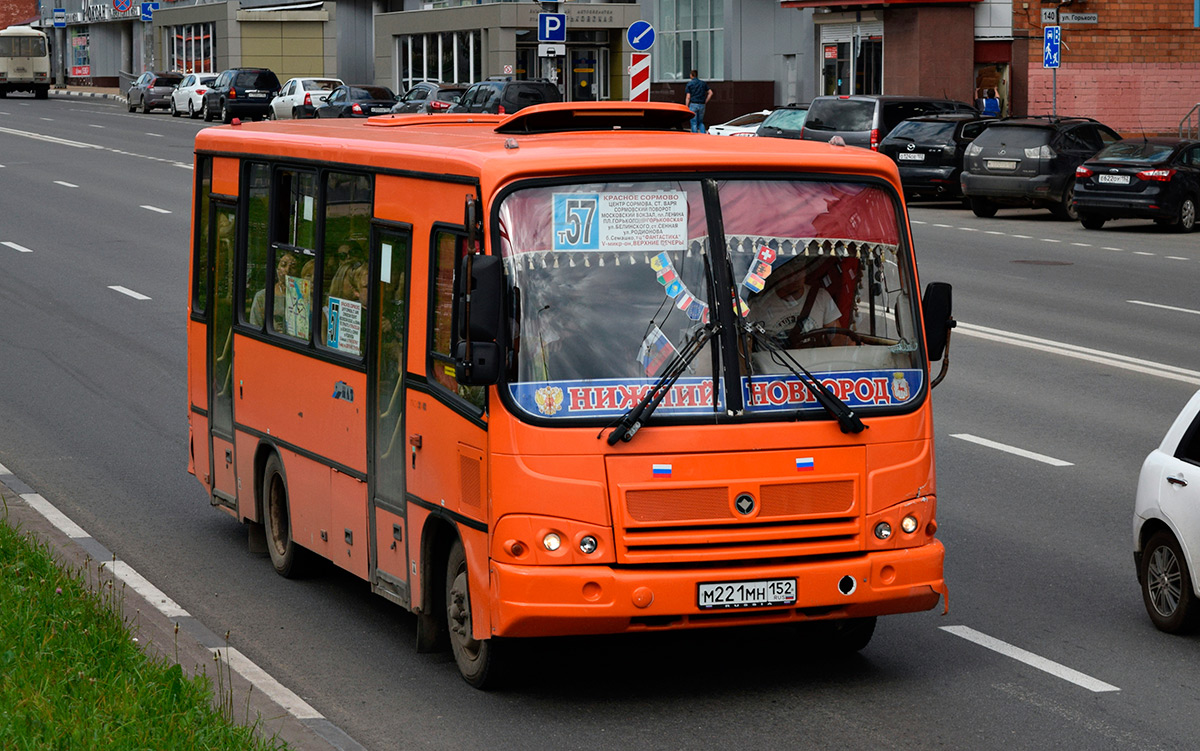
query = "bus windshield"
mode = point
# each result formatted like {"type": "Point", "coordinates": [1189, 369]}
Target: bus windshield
{"type": "Point", "coordinates": [23, 46]}
{"type": "Point", "coordinates": [611, 281]}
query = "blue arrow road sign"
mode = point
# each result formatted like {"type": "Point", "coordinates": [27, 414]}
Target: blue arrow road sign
{"type": "Point", "coordinates": [1052, 43]}
{"type": "Point", "coordinates": [640, 35]}
{"type": "Point", "coordinates": [552, 27]}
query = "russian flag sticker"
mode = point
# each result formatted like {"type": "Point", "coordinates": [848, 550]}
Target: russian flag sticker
{"type": "Point", "coordinates": [804, 463]}
{"type": "Point", "coordinates": [662, 470]}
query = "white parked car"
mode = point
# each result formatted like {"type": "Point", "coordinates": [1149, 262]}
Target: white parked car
{"type": "Point", "coordinates": [189, 95]}
{"type": "Point", "coordinates": [746, 125]}
{"type": "Point", "coordinates": [300, 97]}
{"type": "Point", "coordinates": [1166, 525]}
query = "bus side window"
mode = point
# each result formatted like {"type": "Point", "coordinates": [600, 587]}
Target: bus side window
{"type": "Point", "coordinates": [346, 271]}
{"type": "Point", "coordinates": [200, 271]}
{"type": "Point", "coordinates": [448, 248]}
{"type": "Point", "coordinates": [258, 243]}
{"type": "Point", "coordinates": [293, 246]}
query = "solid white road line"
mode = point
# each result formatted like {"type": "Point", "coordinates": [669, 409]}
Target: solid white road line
{"type": "Point", "coordinates": [127, 291]}
{"type": "Point", "coordinates": [1164, 307]}
{"type": "Point", "coordinates": [154, 208]}
{"type": "Point", "coordinates": [49, 139]}
{"type": "Point", "coordinates": [1012, 450]}
{"type": "Point", "coordinates": [65, 184]}
{"type": "Point", "coordinates": [1100, 357]}
{"type": "Point", "coordinates": [1029, 658]}
{"type": "Point", "coordinates": [14, 246]}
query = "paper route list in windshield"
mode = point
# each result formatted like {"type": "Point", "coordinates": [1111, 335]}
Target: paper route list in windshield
{"type": "Point", "coordinates": [620, 221]}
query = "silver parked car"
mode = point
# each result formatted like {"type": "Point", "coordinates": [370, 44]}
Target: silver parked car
{"type": "Point", "coordinates": [189, 95]}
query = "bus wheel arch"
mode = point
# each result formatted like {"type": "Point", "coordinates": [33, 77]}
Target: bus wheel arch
{"type": "Point", "coordinates": [437, 537]}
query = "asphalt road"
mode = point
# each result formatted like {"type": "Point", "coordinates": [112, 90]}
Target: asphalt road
{"type": "Point", "coordinates": [1060, 354]}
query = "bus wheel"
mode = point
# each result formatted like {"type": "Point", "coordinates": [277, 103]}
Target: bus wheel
{"type": "Point", "coordinates": [43, 92]}
{"type": "Point", "coordinates": [287, 557]}
{"type": "Point", "coordinates": [476, 659]}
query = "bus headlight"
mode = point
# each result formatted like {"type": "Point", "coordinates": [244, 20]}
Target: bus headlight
{"type": "Point", "coordinates": [909, 524]}
{"type": "Point", "coordinates": [588, 545]}
{"type": "Point", "coordinates": [883, 530]}
{"type": "Point", "coordinates": [551, 542]}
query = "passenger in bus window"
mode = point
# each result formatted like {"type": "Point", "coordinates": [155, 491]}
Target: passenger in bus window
{"type": "Point", "coordinates": [792, 304]}
{"type": "Point", "coordinates": [284, 268]}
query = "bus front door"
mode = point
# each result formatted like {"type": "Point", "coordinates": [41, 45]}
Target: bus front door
{"type": "Point", "coordinates": [389, 533]}
{"type": "Point", "coordinates": [221, 234]}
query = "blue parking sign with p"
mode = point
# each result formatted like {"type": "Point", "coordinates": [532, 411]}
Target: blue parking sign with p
{"type": "Point", "coordinates": [552, 27]}
{"type": "Point", "coordinates": [1051, 46]}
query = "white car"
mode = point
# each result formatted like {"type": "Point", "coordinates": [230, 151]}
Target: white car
{"type": "Point", "coordinates": [299, 97]}
{"type": "Point", "coordinates": [189, 95]}
{"type": "Point", "coordinates": [746, 125]}
{"type": "Point", "coordinates": [1166, 525]}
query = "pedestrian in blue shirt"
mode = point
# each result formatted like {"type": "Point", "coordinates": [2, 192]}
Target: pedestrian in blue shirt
{"type": "Point", "coordinates": [989, 104]}
{"type": "Point", "coordinates": [697, 96]}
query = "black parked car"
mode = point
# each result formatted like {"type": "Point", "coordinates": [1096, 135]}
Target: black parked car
{"type": "Point", "coordinates": [865, 120]}
{"type": "Point", "coordinates": [928, 151]}
{"type": "Point", "coordinates": [1031, 161]}
{"type": "Point", "coordinates": [1154, 178]}
{"type": "Point", "coordinates": [503, 96]}
{"type": "Point", "coordinates": [785, 122]}
{"type": "Point", "coordinates": [357, 101]}
{"type": "Point", "coordinates": [430, 97]}
{"type": "Point", "coordinates": [152, 91]}
{"type": "Point", "coordinates": [241, 92]}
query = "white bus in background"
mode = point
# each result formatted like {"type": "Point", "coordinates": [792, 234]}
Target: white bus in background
{"type": "Point", "coordinates": [24, 61]}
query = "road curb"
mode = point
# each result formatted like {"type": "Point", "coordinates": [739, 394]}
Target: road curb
{"type": "Point", "coordinates": [87, 94]}
{"type": "Point", "coordinates": [164, 629]}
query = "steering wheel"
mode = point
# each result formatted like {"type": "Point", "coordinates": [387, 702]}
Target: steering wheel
{"type": "Point", "coordinates": [829, 331]}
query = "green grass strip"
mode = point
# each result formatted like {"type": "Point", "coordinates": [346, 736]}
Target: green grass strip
{"type": "Point", "coordinates": [71, 676]}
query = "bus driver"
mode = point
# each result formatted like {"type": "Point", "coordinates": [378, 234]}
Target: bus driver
{"type": "Point", "coordinates": [790, 306]}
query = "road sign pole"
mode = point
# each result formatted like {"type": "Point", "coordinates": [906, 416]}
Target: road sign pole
{"type": "Point", "coordinates": [1054, 101]}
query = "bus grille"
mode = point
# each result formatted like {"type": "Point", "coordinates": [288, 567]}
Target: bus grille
{"type": "Point", "coordinates": [699, 524]}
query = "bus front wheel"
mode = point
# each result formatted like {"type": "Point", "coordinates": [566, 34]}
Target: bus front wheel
{"type": "Point", "coordinates": [287, 557]}
{"type": "Point", "coordinates": [476, 658]}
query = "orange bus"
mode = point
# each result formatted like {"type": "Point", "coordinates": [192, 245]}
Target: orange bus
{"type": "Point", "coordinates": [568, 371]}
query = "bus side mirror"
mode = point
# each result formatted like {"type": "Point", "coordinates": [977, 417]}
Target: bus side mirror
{"type": "Point", "coordinates": [936, 306]}
{"type": "Point", "coordinates": [478, 305]}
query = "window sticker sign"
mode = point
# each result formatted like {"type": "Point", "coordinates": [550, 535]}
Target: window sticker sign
{"type": "Point", "coordinates": [586, 222]}
{"type": "Point", "coordinates": [344, 330]}
{"type": "Point", "coordinates": [297, 293]}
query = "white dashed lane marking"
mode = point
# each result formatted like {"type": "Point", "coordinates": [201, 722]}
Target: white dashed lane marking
{"type": "Point", "coordinates": [1029, 658]}
{"type": "Point", "coordinates": [65, 184]}
{"type": "Point", "coordinates": [127, 291]}
{"type": "Point", "coordinates": [1012, 450]}
{"type": "Point", "coordinates": [154, 208]}
{"type": "Point", "coordinates": [14, 246]}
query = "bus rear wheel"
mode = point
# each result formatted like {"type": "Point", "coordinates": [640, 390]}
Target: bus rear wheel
{"type": "Point", "coordinates": [476, 658]}
{"type": "Point", "coordinates": [289, 559]}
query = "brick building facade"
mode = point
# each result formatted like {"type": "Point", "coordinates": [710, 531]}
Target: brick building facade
{"type": "Point", "coordinates": [14, 12]}
{"type": "Point", "coordinates": [1135, 66]}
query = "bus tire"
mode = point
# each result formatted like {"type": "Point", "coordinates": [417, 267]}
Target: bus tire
{"type": "Point", "coordinates": [288, 558]}
{"type": "Point", "coordinates": [476, 659]}
{"type": "Point", "coordinates": [43, 92]}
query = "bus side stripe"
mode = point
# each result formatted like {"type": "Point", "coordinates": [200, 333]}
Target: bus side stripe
{"type": "Point", "coordinates": [349, 471]}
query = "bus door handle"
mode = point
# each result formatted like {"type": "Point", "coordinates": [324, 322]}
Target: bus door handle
{"type": "Point", "coordinates": [414, 440]}
{"type": "Point", "coordinates": [1177, 480]}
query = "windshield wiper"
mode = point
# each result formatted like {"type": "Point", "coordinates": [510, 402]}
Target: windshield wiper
{"type": "Point", "coordinates": [838, 409]}
{"type": "Point", "coordinates": [631, 422]}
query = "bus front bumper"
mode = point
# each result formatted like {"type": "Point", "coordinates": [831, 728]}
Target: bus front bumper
{"type": "Point", "coordinates": [567, 600]}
